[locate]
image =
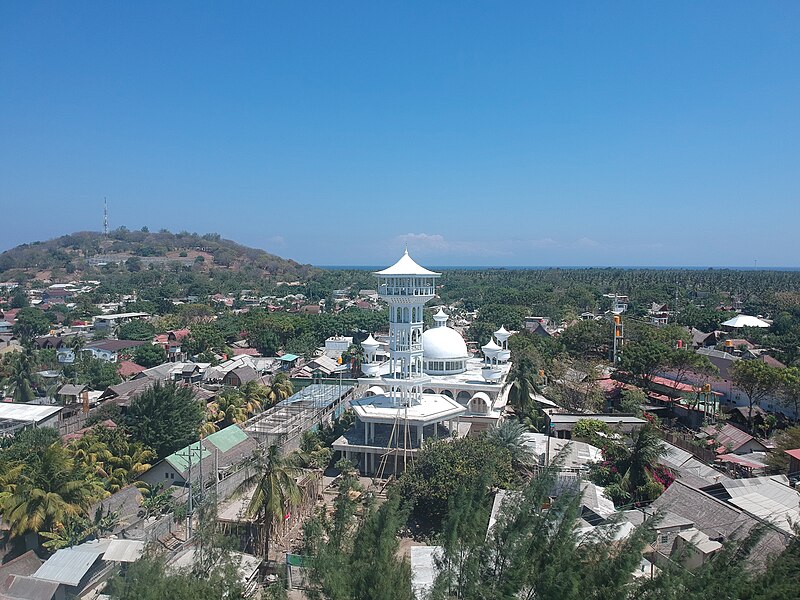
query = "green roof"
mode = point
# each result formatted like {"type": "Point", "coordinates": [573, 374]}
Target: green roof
{"type": "Point", "coordinates": [227, 438]}
{"type": "Point", "coordinates": [180, 459]}
{"type": "Point", "coordinates": [289, 357]}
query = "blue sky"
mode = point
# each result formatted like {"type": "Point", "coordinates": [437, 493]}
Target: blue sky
{"type": "Point", "coordinates": [482, 133]}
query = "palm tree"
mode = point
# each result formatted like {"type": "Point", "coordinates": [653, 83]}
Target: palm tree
{"type": "Point", "coordinates": [509, 436]}
{"type": "Point", "coordinates": [230, 408]}
{"type": "Point", "coordinates": [20, 382]}
{"type": "Point", "coordinates": [276, 494]}
{"type": "Point", "coordinates": [280, 389]}
{"type": "Point", "coordinates": [644, 454]}
{"type": "Point", "coordinates": [254, 394]}
{"type": "Point", "coordinates": [50, 490]}
{"type": "Point", "coordinates": [522, 384]}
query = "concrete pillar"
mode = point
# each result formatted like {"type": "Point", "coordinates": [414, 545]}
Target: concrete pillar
{"type": "Point", "coordinates": [420, 432]}
{"type": "Point", "coordinates": [366, 432]}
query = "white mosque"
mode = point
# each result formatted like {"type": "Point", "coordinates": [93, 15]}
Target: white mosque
{"type": "Point", "coordinates": [430, 386]}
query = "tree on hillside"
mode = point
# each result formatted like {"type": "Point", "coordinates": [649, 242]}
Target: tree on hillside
{"type": "Point", "coordinates": [166, 417]}
{"type": "Point", "coordinates": [788, 439]}
{"type": "Point", "coordinates": [757, 380]}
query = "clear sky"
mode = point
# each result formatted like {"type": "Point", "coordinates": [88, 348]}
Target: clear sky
{"type": "Point", "coordinates": [482, 133]}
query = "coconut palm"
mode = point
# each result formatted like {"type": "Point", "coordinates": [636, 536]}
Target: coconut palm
{"type": "Point", "coordinates": [522, 384]}
{"type": "Point", "coordinates": [230, 408]}
{"type": "Point", "coordinates": [254, 395]}
{"type": "Point", "coordinates": [20, 381]}
{"type": "Point", "coordinates": [644, 454]}
{"type": "Point", "coordinates": [280, 389]}
{"type": "Point", "coordinates": [50, 489]}
{"type": "Point", "coordinates": [276, 494]}
{"type": "Point", "coordinates": [509, 437]}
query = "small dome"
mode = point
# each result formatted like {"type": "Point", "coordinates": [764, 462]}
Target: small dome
{"type": "Point", "coordinates": [501, 334]}
{"type": "Point", "coordinates": [443, 343]}
{"type": "Point", "coordinates": [490, 348]}
{"type": "Point", "coordinates": [440, 317]}
{"type": "Point", "coordinates": [370, 344]}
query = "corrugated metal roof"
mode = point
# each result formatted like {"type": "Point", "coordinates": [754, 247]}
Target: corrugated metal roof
{"type": "Point", "coordinates": [124, 550]}
{"type": "Point", "coordinates": [180, 459]}
{"type": "Point", "coordinates": [27, 412]}
{"type": "Point", "coordinates": [67, 566]}
{"type": "Point", "coordinates": [227, 438]}
{"type": "Point", "coordinates": [30, 588]}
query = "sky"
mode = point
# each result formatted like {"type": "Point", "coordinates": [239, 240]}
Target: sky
{"type": "Point", "coordinates": [479, 133]}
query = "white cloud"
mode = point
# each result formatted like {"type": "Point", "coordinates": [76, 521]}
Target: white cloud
{"type": "Point", "coordinates": [586, 242]}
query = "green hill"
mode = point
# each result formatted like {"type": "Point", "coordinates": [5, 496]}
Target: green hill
{"type": "Point", "coordinates": [89, 253]}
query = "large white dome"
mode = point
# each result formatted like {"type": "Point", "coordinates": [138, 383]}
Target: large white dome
{"type": "Point", "coordinates": [443, 343]}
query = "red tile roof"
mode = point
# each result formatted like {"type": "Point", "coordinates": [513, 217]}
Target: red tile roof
{"type": "Point", "coordinates": [245, 351]}
{"type": "Point", "coordinates": [128, 368]}
{"type": "Point", "coordinates": [794, 453]}
{"type": "Point", "coordinates": [681, 387]}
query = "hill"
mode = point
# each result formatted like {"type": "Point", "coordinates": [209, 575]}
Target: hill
{"type": "Point", "coordinates": [89, 253]}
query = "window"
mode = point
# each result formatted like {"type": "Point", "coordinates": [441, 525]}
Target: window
{"type": "Point", "coordinates": [664, 538]}
{"type": "Point", "coordinates": [166, 475]}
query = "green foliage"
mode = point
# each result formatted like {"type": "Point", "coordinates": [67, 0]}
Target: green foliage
{"type": "Point", "coordinates": [523, 383]}
{"type": "Point", "coordinates": [441, 467]}
{"type": "Point", "coordinates": [48, 488]}
{"type": "Point", "coordinates": [587, 338]}
{"type": "Point", "coordinates": [30, 322]}
{"type": "Point", "coordinates": [106, 411]}
{"type": "Point", "coordinates": [632, 400]}
{"type": "Point", "coordinates": [788, 439]}
{"type": "Point", "coordinates": [148, 579]}
{"type": "Point", "coordinates": [360, 564]}
{"type": "Point", "coordinates": [165, 417]}
{"type": "Point", "coordinates": [644, 359]}
{"type": "Point", "coordinates": [757, 380]}
{"type": "Point", "coordinates": [149, 355]}
{"type": "Point", "coordinates": [98, 374]}
{"type": "Point", "coordinates": [588, 430]}
{"type": "Point", "coordinates": [136, 330]}
{"type": "Point", "coordinates": [18, 298]}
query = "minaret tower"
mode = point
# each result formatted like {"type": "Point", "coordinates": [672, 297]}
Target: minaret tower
{"type": "Point", "coordinates": [406, 287]}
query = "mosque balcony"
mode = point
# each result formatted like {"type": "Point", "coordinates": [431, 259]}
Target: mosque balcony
{"type": "Point", "coordinates": [391, 291]}
{"type": "Point", "coordinates": [406, 348]}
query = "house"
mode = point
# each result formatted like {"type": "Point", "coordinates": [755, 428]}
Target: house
{"type": "Point", "coordinates": [6, 326]}
{"type": "Point", "coordinates": [215, 456]}
{"type": "Point", "coordinates": [124, 393]}
{"type": "Point", "coordinates": [561, 425]}
{"type": "Point", "coordinates": [72, 394]}
{"type": "Point", "coordinates": [717, 519]}
{"type": "Point", "coordinates": [794, 463]}
{"type": "Point", "coordinates": [537, 325]}
{"type": "Point", "coordinates": [239, 376]}
{"type": "Point", "coordinates": [729, 439]}
{"type": "Point", "coordinates": [65, 356]}
{"type": "Point", "coordinates": [47, 342]}
{"type": "Point", "coordinates": [110, 321]}
{"type": "Point", "coordinates": [128, 369]}
{"type": "Point", "coordinates": [172, 344]}
{"type": "Point", "coordinates": [659, 314]}
{"type": "Point", "coordinates": [24, 565]}
{"type": "Point", "coordinates": [111, 350]}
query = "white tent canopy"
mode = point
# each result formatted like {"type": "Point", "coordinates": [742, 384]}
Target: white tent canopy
{"type": "Point", "coordinates": [745, 321]}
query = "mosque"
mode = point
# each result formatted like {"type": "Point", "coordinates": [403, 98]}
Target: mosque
{"type": "Point", "coordinates": [430, 386]}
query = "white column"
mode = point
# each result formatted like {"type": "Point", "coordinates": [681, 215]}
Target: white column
{"type": "Point", "coordinates": [420, 431]}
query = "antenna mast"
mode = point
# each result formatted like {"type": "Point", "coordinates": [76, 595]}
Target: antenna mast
{"type": "Point", "coordinates": [105, 216]}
